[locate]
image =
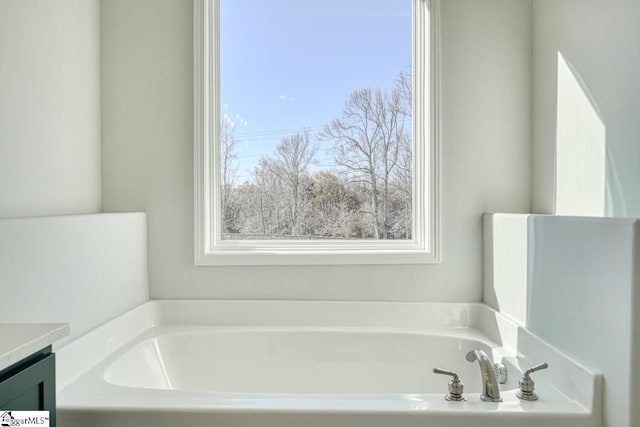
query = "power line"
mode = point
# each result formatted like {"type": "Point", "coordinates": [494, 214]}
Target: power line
{"type": "Point", "coordinates": [276, 132]}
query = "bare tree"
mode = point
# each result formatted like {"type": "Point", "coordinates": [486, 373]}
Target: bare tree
{"type": "Point", "coordinates": [403, 175]}
{"type": "Point", "coordinates": [356, 138]}
{"type": "Point", "coordinates": [269, 197]}
{"type": "Point", "coordinates": [403, 179]}
{"type": "Point", "coordinates": [367, 146]}
{"type": "Point", "coordinates": [244, 210]}
{"type": "Point", "coordinates": [293, 156]}
{"type": "Point", "coordinates": [404, 84]}
{"type": "Point", "coordinates": [228, 170]}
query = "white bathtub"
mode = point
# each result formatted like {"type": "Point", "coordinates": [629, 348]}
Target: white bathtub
{"type": "Point", "coordinates": [290, 363]}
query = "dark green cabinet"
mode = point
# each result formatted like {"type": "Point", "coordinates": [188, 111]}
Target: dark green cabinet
{"type": "Point", "coordinates": [30, 385]}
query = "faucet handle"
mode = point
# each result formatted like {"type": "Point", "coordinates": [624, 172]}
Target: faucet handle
{"type": "Point", "coordinates": [456, 386]}
{"type": "Point", "coordinates": [535, 368]}
{"type": "Point", "coordinates": [501, 372]}
{"type": "Point", "coordinates": [446, 372]}
{"type": "Point", "coordinates": [526, 385]}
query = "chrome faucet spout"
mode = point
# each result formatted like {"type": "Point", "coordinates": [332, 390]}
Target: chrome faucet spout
{"type": "Point", "coordinates": [490, 391]}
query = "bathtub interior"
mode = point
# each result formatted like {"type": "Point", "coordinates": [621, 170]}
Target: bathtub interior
{"type": "Point", "coordinates": [295, 361]}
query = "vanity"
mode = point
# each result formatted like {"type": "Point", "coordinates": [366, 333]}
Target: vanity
{"type": "Point", "coordinates": [27, 367]}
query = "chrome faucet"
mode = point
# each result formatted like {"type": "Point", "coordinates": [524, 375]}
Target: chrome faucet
{"type": "Point", "coordinates": [490, 391]}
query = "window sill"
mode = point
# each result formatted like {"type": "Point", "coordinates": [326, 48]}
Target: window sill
{"type": "Point", "coordinates": [299, 255]}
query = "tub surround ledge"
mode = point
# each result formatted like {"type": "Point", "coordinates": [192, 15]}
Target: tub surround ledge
{"type": "Point", "coordinates": [20, 340]}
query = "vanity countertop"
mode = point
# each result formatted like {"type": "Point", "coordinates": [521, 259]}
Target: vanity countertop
{"type": "Point", "coordinates": [19, 340]}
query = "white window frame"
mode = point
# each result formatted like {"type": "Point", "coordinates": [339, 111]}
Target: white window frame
{"type": "Point", "coordinates": [210, 249]}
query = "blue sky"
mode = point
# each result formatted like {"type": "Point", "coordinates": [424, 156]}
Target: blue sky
{"type": "Point", "coordinates": [291, 64]}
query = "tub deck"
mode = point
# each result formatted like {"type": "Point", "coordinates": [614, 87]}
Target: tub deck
{"type": "Point", "coordinates": [163, 364]}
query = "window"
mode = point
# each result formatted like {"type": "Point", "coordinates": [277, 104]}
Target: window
{"type": "Point", "coordinates": [315, 132]}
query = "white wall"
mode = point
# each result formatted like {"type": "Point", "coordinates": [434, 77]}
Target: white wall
{"type": "Point", "coordinates": [599, 39]}
{"type": "Point", "coordinates": [506, 256]}
{"type": "Point", "coordinates": [573, 281]}
{"type": "Point", "coordinates": [147, 120]}
{"type": "Point", "coordinates": [77, 269]}
{"type": "Point", "coordinates": [49, 107]}
{"type": "Point", "coordinates": [582, 299]}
